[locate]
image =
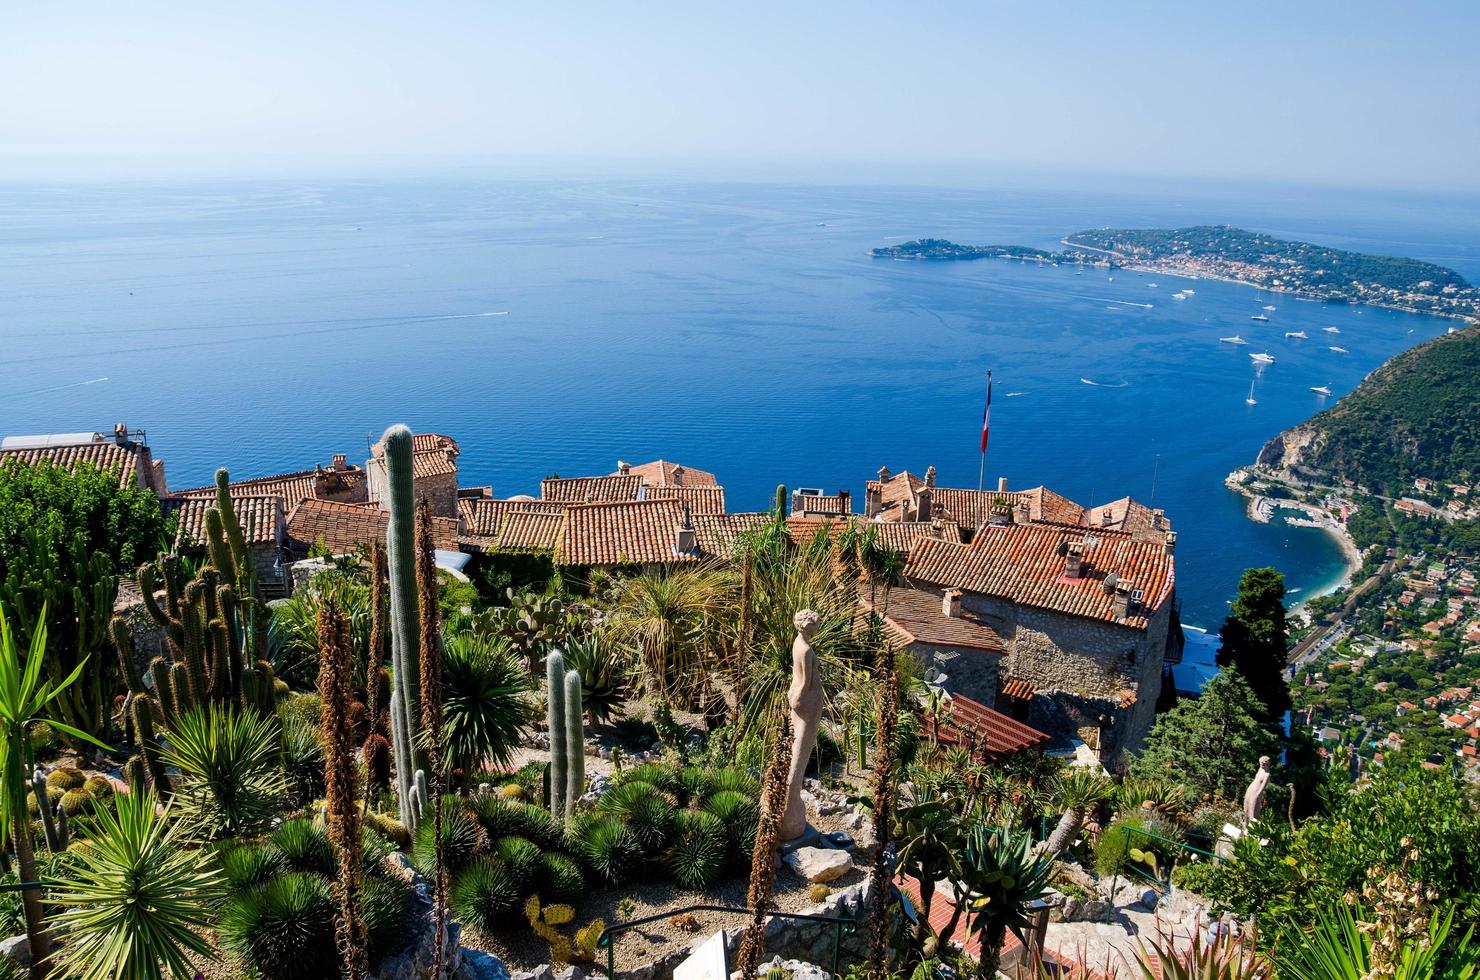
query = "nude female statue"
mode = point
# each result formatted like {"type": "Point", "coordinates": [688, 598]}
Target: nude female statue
{"type": "Point", "coordinates": [805, 698]}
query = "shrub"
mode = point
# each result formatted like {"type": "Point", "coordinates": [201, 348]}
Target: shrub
{"type": "Point", "coordinates": [608, 849]}
{"type": "Point", "coordinates": [558, 879]}
{"type": "Point", "coordinates": [305, 846]}
{"type": "Point", "coordinates": [536, 824]}
{"type": "Point", "coordinates": [485, 896]}
{"type": "Point", "coordinates": [647, 813]}
{"type": "Point", "coordinates": [486, 700]}
{"type": "Point", "coordinates": [251, 865]}
{"type": "Point", "coordinates": [385, 914]}
{"type": "Point", "coordinates": [520, 857]}
{"type": "Point", "coordinates": [739, 815]}
{"type": "Point", "coordinates": [284, 929]}
{"type": "Point", "coordinates": [696, 856]}
{"type": "Point", "coordinates": [65, 778]}
{"type": "Point", "coordinates": [1113, 850]}
{"type": "Point", "coordinates": [230, 782]}
{"type": "Point", "coordinates": [462, 840]}
{"type": "Point", "coordinates": [694, 784]}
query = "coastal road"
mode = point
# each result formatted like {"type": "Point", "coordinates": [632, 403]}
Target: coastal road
{"type": "Point", "coordinates": [1322, 638]}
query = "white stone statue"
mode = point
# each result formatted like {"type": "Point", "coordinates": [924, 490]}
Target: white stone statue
{"type": "Point", "coordinates": [805, 698]}
{"type": "Point", "coordinates": [1254, 795]}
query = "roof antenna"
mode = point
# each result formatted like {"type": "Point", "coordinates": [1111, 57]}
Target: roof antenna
{"type": "Point", "coordinates": [1155, 469]}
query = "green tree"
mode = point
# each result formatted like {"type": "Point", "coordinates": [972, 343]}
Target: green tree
{"type": "Point", "coordinates": [1211, 743]}
{"type": "Point", "coordinates": [1254, 637]}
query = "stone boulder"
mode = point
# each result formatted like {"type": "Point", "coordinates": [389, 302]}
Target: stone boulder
{"type": "Point", "coordinates": [820, 864]}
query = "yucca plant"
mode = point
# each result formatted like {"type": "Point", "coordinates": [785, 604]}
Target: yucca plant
{"type": "Point", "coordinates": [487, 704]}
{"type": "Point", "coordinates": [696, 854]}
{"type": "Point", "coordinates": [1342, 947]}
{"type": "Point", "coordinates": [462, 840]}
{"type": "Point", "coordinates": [739, 814]}
{"type": "Point", "coordinates": [558, 879]}
{"type": "Point", "coordinates": [1077, 791]}
{"type": "Point", "coordinates": [230, 782]}
{"type": "Point", "coordinates": [249, 865]}
{"type": "Point", "coordinates": [605, 684]}
{"type": "Point", "coordinates": [1226, 957]}
{"type": "Point", "coordinates": [609, 849]}
{"type": "Point", "coordinates": [485, 896]}
{"type": "Point", "coordinates": [1000, 874]}
{"type": "Point", "coordinates": [665, 619]}
{"type": "Point", "coordinates": [304, 846]}
{"type": "Point", "coordinates": [520, 857]}
{"type": "Point", "coordinates": [135, 900]}
{"type": "Point", "coordinates": [303, 759]}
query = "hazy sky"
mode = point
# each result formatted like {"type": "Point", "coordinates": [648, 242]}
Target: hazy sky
{"type": "Point", "coordinates": [1381, 93]}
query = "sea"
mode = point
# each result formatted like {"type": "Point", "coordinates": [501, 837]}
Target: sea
{"type": "Point", "coordinates": [555, 326]}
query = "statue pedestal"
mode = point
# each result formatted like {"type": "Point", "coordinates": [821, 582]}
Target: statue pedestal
{"type": "Point", "coordinates": [810, 837]}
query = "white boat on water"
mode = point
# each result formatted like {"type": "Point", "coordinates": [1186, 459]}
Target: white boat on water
{"type": "Point", "coordinates": [1332, 329]}
{"type": "Point", "coordinates": [1151, 285]}
{"type": "Point", "coordinates": [1270, 309]}
{"type": "Point", "coordinates": [1250, 400]}
{"type": "Point", "coordinates": [1260, 317]}
{"type": "Point", "coordinates": [1235, 339]}
{"type": "Point", "coordinates": [1341, 350]}
{"type": "Point", "coordinates": [1261, 358]}
{"type": "Point", "coordinates": [1190, 292]}
{"type": "Point", "coordinates": [1324, 391]}
{"type": "Point", "coordinates": [1179, 295]}
{"type": "Point", "coordinates": [1297, 334]}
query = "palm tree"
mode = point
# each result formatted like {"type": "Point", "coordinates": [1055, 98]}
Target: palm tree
{"type": "Point", "coordinates": [136, 903]}
{"type": "Point", "coordinates": [24, 699]}
{"type": "Point", "coordinates": [1000, 876]}
{"type": "Point", "coordinates": [487, 700]}
{"type": "Point", "coordinates": [1078, 791]}
{"type": "Point", "coordinates": [669, 620]}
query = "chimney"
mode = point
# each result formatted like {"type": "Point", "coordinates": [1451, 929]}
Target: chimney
{"type": "Point", "coordinates": [1170, 543]}
{"type": "Point", "coordinates": [120, 433]}
{"type": "Point", "coordinates": [884, 474]}
{"type": "Point", "coordinates": [930, 476]}
{"type": "Point", "coordinates": [624, 468]}
{"type": "Point", "coordinates": [843, 498]}
{"type": "Point", "coordinates": [1074, 559]}
{"type": "Point", "coordinates": [1000, 514]}
{"type": "Point", "coordinates": [950, 604]}
{"type": "Point", "coordinates": [1158, 518]}
{"type": "Point", "coordinates": [925, 503]}
{"type": "Point", "coordinates": [685, 541]}
{"type": "Point", "coordinates": [1121, 604]}
{"type": "Point", "coordinates": [1001, 484]}
{"type": "Point", "coordinates": [1107, 516]}
{"type": "Point", "coordinates": [340, 462]}
{"type": "Point", "coordinates": [678, 472]}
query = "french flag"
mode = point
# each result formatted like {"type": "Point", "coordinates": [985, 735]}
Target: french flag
{"type": "Point", "coordinates": [987, 413]}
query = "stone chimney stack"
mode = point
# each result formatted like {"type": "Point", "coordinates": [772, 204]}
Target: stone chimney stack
{"type": "Point", "coordinates": [1074, 559]}
{"type": "Point", "coordinates": [950, 604]}
{"type": "Point", "coordinates": [930, 476]}
{"type": "Point", "coordinates": [1170, 543]}
{"type": "Point", "coordinates": [340, 462]}
{"type": "Point", "coordinates": [1121, 605]}
{"type": "Point", "coordinates": [1158, 518]}
{"type": "Point", "coordinates": [1107, 517]}
{"type": "Point", "coordinates": [925, 503]}
{"type": "Point", "coordinates": [120, 433]}
{"type": "Point", "coordinates": [1001, 484]}
{"type": "Point", "coordinates": [1000, 514]}
{"type": "Point", "coordinates": [685, 541]}
{"type": "Point", "coordinates": [884, 474]}
{"type": "Point", "coordinates": [624, 468]}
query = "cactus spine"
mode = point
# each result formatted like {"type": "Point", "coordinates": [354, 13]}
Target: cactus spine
{"type": "Point", "coordinates": [575, 742]}
{"type": "Point", "coordinates": [555, 722]}
{"type": "Point", "coordinates": [405, 619]}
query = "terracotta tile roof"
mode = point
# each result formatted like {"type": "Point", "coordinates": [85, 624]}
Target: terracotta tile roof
{"type": "Point", "coordinates": [1025, 563]}
{"type": "Point", "coordinates": [344, 527]}
{"type": "Point", "coordinates": [431, 455]}
{"type": "Point", "coordinates": [832, 504]}
{"type": "Point", "coordinates": [701, 499]}
{"type": "Point", "coordinates": [524, 530]}
{"type": "Point", "coordinates": [661, 473]}
{"type": "Point", "coordinates": [591, 489]}
{"type": "Point", "coordinates": [966, 722]}
{"type": "Point", "coordinates": [261, 517]}
{"type": "Point", "coordinates": [898, 495]}
{"type": "Point", "coordinates": [629, 532]}
{"type": "Point", "coordinates": [294, 488]}
{"type": "Point", "coordinates": [718, 533]}
{"type": "Point", "coordinates": [916, 616]}
{"type": "Point", "coordinates": [1019, 689]}
{"type": "Point", "coordinates": [902, 536]}
{"type": "Point", "coordinates": [482, 516]}
{"type": "Point", "coordinates": [424, 442]}
{"type": "Point", "coordinates": [972, 508]}
{"type": "Point", "coordinates": [1130, 516]}
{"type": "Point", "coordinates": [129, 460]}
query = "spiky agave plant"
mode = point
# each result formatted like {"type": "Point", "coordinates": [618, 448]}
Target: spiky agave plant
{"type": "Point", "coordinates": [695, 855]}
{"type": "Point", "coordinates": [340, 811]}
{"type": "Point", "coordinates": [230, 783]}
{"type": "Point", "coordinates": [1225, 957]}
{"type": "Point", "coordinates": [135, 901]}
{"type": "Point", "coordinates": [1000, 874]}
{"type": "Point", "coordinates": [605, 684]}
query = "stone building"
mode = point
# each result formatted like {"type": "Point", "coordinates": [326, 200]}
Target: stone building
{"type": "Point", "coordinates": [433, 466]}
{"type": "Point", "coordinates": [956, 649]}
{"type": "Point", "coordinates": [264, 525]}
{"type": "Point", "coordinates": [1087, 619]}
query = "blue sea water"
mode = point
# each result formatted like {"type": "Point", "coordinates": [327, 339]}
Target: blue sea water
{"type": "Point", "coordinates": [556, 326]}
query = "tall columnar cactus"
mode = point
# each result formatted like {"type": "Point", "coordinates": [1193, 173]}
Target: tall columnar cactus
{"type": "Point", "coordinates": [575, 742]}
{"type": "Point", "coordinates": [405, 620]}
{"type": "Point", "coordinates": [142, 710]}
{"type": "Point", "coordinates": [781, 502]}
{"type": "Point", "coordinates": [555, 721]}
{"type": "Point", "coordinates": [53, 817]}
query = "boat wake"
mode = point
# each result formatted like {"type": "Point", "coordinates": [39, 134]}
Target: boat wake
{"type": "Point", "coordinates": [467, 316]}
{"type": "Point", "coordinates": [1015, 394]}
{"type": "Point", "coordinates": [1126, 302]}
{"type": "Point", "coordinates": [1100, 384]}
{"type": "Point", "coordinates": [42, 391]}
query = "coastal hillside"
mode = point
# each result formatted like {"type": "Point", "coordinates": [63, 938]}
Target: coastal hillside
{"type": "Point", "coordinates": [1416, 416]}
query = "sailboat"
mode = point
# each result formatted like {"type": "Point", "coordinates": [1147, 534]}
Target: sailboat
{"type": "Point", "coordinates": [1332, 329]}
{"type": "Point", "coordinates": [1250, 400]}
{"type": "Point", "coordinates": [1260, 317]}
{"type": "Point", "coordinates": [1340, 350]}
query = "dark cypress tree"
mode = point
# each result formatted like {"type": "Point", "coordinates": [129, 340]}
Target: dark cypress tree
{"type": "Point", "coordinates": [1254, 637]}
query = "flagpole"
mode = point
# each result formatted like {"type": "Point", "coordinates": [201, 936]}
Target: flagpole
{"type": "Point", "coordinates": [981, 475]}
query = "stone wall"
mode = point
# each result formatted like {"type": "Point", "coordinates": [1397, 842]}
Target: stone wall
{"type": "Point", "coordinates": [440, 489]}
{"type": "Point", "coordinates": [969, 672]}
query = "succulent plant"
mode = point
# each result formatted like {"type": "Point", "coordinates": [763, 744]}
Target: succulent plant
{"type": "Point", "coordinates": [65, 778]}
{"type": "Point", "coordinates": [696, 855]}
{"type": "Point", "coordinates": [520, 857]}
{"type": "Point", "coordinates": [304, 846]}
{"type": "Point", "coordinates": [739, 815]}
{"type": "Point", "coordinates": [609, 850]}
{"type": "Point", "coordinates": [250, 865]}
{"type": "Point", "coordinates": [557, 878]}
{"type": "Point", "coordinates": [485, 895]}
{"type": "Point", "coordinates": [462, 840]}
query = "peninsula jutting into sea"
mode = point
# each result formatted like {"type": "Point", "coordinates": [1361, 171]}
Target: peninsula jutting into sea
{"type": "Point", "coordinates": [1223, 252]}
